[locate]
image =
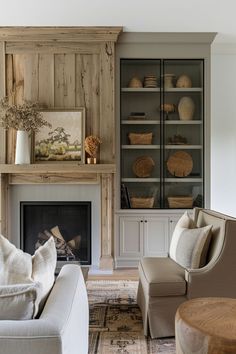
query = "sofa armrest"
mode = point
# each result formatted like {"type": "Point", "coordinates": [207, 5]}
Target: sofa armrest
{"type": "Point", "coordinates": [63, 325]}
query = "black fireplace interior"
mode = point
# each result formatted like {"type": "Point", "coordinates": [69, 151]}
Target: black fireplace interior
{"type": "Point", "coordinates": [68, 222]}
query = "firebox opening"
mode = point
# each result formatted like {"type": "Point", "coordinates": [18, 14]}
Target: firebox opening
{"type": "Point", "coordinates": [68, 222]}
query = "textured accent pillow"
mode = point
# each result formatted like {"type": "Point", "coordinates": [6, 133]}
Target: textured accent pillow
{"type": "Point", "coordinates": [18, 267]}
{"type": "Point", "coordinates": [15, 265]}
{"type": "Point", "coordinates": [191, 246]}
{"type": "Point", "coordinates": [43, 267]}
{"type": "Point", "coordinates": [19, 302]}
{"type": "Point", "coordinates": [184, 222]}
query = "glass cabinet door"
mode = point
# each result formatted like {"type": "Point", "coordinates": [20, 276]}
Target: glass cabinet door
{"type": "Point", "coordinates": [161, 133]}
{"type": "Point", "coordinates": [140, 133]}
{"type": "Point", "coordinates": [183, 144]}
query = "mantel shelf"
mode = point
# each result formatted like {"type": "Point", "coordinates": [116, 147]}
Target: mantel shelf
{"type": "Point", "coordinates": [62, 168]}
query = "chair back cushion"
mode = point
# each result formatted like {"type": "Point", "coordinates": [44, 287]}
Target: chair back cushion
{"type": "Point", "coordinates": [189, 244]}
{"type": "Point", "coordinates": [218, 222]}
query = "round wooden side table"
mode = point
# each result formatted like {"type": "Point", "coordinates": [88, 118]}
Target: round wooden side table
{"type": "Point", "coordinates": [206, 326]}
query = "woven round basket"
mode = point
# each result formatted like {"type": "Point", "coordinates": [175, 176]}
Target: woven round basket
{"type": "Point", "coordinates": [143, 166]}
{"type": "Point", "coordinates": [180, 164]}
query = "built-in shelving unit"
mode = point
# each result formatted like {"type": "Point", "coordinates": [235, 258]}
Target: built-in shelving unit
{"type": "Point", "coordinates": [172, 132]}
{"type": "Point", "coordinates": [144, 218]}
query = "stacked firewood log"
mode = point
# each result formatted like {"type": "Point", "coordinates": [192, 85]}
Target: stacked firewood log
{"type": "Point", "coordinates": [65, 249]}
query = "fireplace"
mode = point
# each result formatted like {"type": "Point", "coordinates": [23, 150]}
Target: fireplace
{"type": "Point", "coordinates": [68, 222]}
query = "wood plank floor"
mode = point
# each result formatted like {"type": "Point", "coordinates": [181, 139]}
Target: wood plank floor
{"type": "Point", "coordinates": [118, 274]}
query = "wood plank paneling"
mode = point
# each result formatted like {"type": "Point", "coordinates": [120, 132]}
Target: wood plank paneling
{"type": "Point", "coordinates": [64, 80]}
{"type": "Point", "coordinates": [87, 90]}
{"type": "Point", "coordinates": [31, 77]}
{"type": "Point", "coordinates": [18, 77]}
{"type": "Point", "coordinates": [46, 80]}
{"type": "Point", "coordinates": [69, 80]}
{"type": "Point", "coordinates": [2, 94]}
{"type": "Point", "coordinates": [107, 114]}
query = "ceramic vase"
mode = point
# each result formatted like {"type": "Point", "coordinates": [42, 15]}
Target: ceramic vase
{"type": "Point", "coordinates": [168, 81]}
{"type": "Point", "coordinates": [186, 108]}
{"type": "Point", "coordinates": [184, 81]}
{"type": "Point", "coordinates": [22, 148]}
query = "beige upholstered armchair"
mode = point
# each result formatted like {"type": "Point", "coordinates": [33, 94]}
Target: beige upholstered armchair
{"type": "Point", "coordinates": [164, 284]}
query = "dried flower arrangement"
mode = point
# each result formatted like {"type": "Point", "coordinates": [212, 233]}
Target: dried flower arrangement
{"type": "Point", "coordinates": [25, 116]}
{"type": "Point", "coordinates": [91, 145]}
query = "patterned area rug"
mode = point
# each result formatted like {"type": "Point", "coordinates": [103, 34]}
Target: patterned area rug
{"type": "Point", "coordinates": [116, 321]}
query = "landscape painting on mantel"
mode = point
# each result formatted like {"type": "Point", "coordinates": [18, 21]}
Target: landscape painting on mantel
{"type": "Point", "coordinates": [63, 141]}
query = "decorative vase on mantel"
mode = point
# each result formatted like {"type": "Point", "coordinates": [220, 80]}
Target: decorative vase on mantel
{"type": "Point", "coordinates": [91, 160]}
{"type": "Point", "coordinates": [22, 148]}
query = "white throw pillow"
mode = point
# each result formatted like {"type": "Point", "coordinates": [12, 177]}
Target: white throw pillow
{"type": "Point", "coordinates": [44, 264]}
{"type": "Point", "coordinates": [190, 246]}
{"type": "Point", "coordinates": [185, 221]}
{"type": "Point", "coordinates": [19, 302]}
{"type": "Point", "coordinates": [18, 267]}
{"type": "Point", "coordinates": [15, 265]}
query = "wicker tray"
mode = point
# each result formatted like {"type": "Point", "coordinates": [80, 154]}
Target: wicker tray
{"type": "Point", "coordinates": [180, 202]}
{"type": "Point", "coordinates": [140, 138]}
{"type": "Point", "coordinates": [180, 164]}
{"type": "Point", "coordinates": [142, 202]}
{"type": "Point", "coordinates": [143, 166]}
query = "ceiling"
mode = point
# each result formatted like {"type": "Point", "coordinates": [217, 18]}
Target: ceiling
{"type": "Point", "coordinates": [133, 15]}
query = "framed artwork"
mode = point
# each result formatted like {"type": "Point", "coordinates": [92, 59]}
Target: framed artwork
{"type": "Point", "coordinates": [63, 141]}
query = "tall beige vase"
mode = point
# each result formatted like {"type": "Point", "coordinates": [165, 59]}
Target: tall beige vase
{"type": "Point", "coordinates": [186, 108]}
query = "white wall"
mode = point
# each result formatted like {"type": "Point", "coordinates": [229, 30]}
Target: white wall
{"type": "Point", "coordinates": [134, 15]}
{"type": "Point", "coordinates": [223, 133]}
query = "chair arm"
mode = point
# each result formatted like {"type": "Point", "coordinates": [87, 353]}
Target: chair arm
{"type": "Point", "coordinates": [211, 280]}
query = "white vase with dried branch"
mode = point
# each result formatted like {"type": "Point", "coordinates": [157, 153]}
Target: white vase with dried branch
{"type": "Point", "coordinates": [25, 118]}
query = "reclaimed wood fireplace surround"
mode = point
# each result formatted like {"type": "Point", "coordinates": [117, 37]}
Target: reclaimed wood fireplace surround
{"type": "Point", "coordinates": [63, 67]}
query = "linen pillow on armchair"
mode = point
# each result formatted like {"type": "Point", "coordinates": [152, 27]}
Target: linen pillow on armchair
{"type": "Point", "coordinates": [189, 244]}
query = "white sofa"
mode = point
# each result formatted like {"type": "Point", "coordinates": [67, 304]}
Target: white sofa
{"type": "Point", "coordinates": [62, 327]}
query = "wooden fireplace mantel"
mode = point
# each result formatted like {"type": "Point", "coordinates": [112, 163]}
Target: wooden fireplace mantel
{"type": "Point", "coordinates": [62, 67]}
{"type": "Point", "coordinates": [102, 174]}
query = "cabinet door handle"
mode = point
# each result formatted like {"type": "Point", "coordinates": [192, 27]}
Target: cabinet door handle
{"type": "Point", "coordinates": [145, 220]}
{"type": "Point", "coordinates": [141, 220]}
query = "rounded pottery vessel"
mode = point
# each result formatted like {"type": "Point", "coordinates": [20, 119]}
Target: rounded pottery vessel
{"type": "Point", "coordinates": [186, 108]}
{"type": "Point", "coordinates": [135, 82]}
{"type": "Point", "coordinates": [184, 81]}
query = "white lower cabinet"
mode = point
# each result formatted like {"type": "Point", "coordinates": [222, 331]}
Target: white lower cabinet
{"type": "Point", "coordinates": [131, 237]}
{"type": "Point", "coordinates": [155, 236]}
{"type": "Point", "coordinates": [142, 235]}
